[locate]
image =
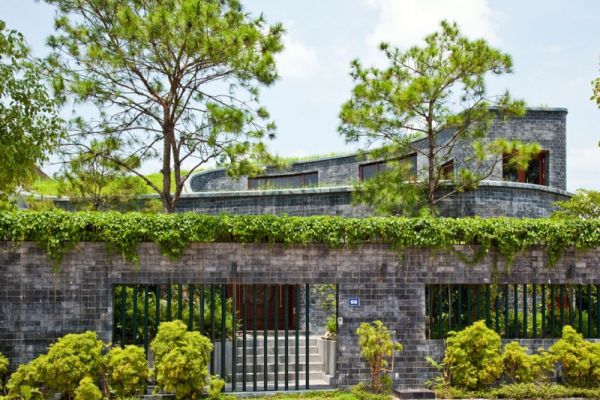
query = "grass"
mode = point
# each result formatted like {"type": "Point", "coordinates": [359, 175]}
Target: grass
{"type": "Point", "coordinates": [316, 395]}
{"type": "Point", "coordinates": [49, 187]}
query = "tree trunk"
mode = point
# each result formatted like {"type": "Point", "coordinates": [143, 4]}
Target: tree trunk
{"type": "Point", "coordinates": [169, 130]}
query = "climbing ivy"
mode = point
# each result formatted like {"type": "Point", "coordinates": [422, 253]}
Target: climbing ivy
{"type": "Point", "coordinates": [59, 232]}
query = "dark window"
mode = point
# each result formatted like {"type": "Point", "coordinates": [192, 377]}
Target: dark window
{"type": "Point", "coordinates": [367, 171]}
{"type": "Point", "coordinates": [536, 172]}
{"type": "Point", "coordinates": [447, 170]}
{"type": "Point", "coordinates": [284, 181]}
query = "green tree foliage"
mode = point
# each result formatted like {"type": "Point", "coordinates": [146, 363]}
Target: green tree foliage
{"type": "Point", "coordinates": [181, 360]}
{"type": "Point", "coordinates": [127, 370]}
{"type": "Point", "coordinates": [3, 369]}
{"type": "Point", "coordinates": [29, 124]}
{"type": "Point", "coordinates": [26, 378]}
{"type": "Point", "coordinates": [436, 93]}
{"type": "Point", "coordinates": [174, 81]}
{"type": "Point", "coordinates": [94, 182]}
{"type": "Point", "coordinates": [579, 358]}
{"type": "Point", "coordinates": [473, 357]}
{"type": "Point", "coordinates": [583, 204]}
{"type": "Point", "coordinates": [87, 390]}
{"type": "Point", "coordinates": [378, 348]}
{"type": "Point", "coordinates": [69, 360]}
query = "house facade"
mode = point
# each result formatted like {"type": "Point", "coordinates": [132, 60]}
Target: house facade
{"type": "Point", "coordinates": [324, 186]}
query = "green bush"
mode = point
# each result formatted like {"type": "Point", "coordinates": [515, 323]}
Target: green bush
{"type": "Point", "coordinates": [3, 369]}
{"type": "Point", "coordinates": [69, 360]}
{"type": "Point", "coordinates": [522, 391]}
{"type": "Point", "coordinates": [87, 390]}
{"type": "Point", "coordinates": [127, 370]}
{"type": "Point", "coordinates": [579, 358]}
{"type": "Point", "coordinates": [181, 359]}
{"type": "Point", "coordinates": [473, 357]}
{"type": "Point", "coordinates": [26, 378]}
{"type": "Point", "coordinates": [377, 346]}
{"type": "Point", "coordinates": [362, 392]}
{"type": "Point", "coordinates": [215, 387]}
{"type": "Point", "coordinates": [517, 364]}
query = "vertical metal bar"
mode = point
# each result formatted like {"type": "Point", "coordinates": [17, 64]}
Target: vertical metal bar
{"type": "Point", "coordinates": [286, 326]}
{"type": "Point", "coordinates": [597, 311]}
{"type": "Point", "coordinates": [525, 310]}
{"type": "Point", "coordinates": [135, 298]}
{"type": "Point", "coordinates": [233, 338]}
{"type": "Point", "coordinates": [516, 311]}
{"type": "Point", "coordinates": [265, 333]}
{"type": "Point", "coordinates": [179, 301]}
{"type": "Point", "coordinates": [244, 339]}
{"type": "Point", "coordinates": [276, 339]}
{"type": "Point", "coordinates": [469, 305]}
{"type": "Point", "coordinates": [552, 317]}
{"type": "Point", "coordinates": [202, 310]}
{"type": "Point", "coordinates": [459, 308]}
{"type": "Point", "coordinates": [223, 330]}
{"type": "Point", "coordinates": [307, 333]}
{"type": "Point", "coordinates": [169, 296]}
{"type": "Point", "coordinates": [146, 289]}
{"type": "Point", "coordinates": [440, 318]}
{"type": "Point", "coordinates": [212, 328]}
{"type": "Point", "coordinates": [589, 310]}
{"type": "Point", "coordinates": [449, 290]}
{"type": "Point", "coordinates": [478, 300]}
{"type": "Point", "coordinates": [571, 307]}
{"type": "Point", "coordinates": [157, 308]}
{"type": "Point", "coordinates": [534, 309]}
{"type": "Point", "coordinates": [561, 305]}
{"type": "Point", "coordinates": [191, 307]}
{"type": "Point", "coordinates": [297, 342]}
{"type": "Point", "coordinates": [579, 309]}
{"type": "Point", "coordinates": [488, 306]}
{"type": "Point", "coordinates": [544, 304]}
{"type": "Point", "coordinates": [254, 338]}
{"type": "Point", "coordinates": [497, 307]}
{"type": "Point", "coordinates": [123, 319]}
{"type": "Point", "coordinates": [506, 327]}
{"type": "Point", "coordinates": [429, 295]}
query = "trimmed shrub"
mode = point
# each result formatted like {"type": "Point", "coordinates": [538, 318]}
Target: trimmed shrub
{"type": "Point", "coordinates": [3, 369]}
{"type": "Point", "coordinates": [69, 360]}
{"type": "Point", "coordinates": [579, 358]}
{"type": "Point", "coordinates": [181, 360]}
{"type": "Point", "coordinates": [26, 378]}
{"type": "Point", "coordinates": [377, 346]}
{"type": "Point", "coordinates": [473, 357]}
{"type": "Point", "coordinates": [87, 390]}
{"type": "Point", "coordinates": [127, 370]}
{"type": "Point", "coordinates": [517, 364]}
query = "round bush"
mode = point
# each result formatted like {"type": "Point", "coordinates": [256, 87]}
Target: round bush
{"type": "Point", "coordinates": [181, 360]}
{"type": "Point", "coordinates": [127, 370]}
{"type": "Point", "coordinates": [473, 356]}
{"type": "Point", "coordinates": [87, 390]}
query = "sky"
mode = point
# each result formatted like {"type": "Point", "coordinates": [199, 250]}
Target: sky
{"type": "Point", "coordinates": [555, 45]}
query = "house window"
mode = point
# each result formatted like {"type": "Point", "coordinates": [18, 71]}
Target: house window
{"type": "Point", "coordinates": [536, 172]}
{"type": "Point", "coordinates": [367, 171]}
{"type": "Point", "coordinates": [447, 170]}
{"type": "Point", "coordinates": [284, 181]}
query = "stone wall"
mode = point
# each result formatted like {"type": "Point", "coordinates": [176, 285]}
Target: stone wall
{"type": "Point", "coordinates": [490, 199]}
{"type": "Point", "coordinates": [546, 126]}
{"type": "Point", "coordinates": [38, 305]}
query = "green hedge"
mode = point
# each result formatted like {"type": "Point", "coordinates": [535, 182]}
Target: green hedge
{"type": "Point", "coordinates": [59, 232]}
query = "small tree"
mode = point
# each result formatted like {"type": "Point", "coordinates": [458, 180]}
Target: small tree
{"type": "Point", "coordinates": [126, 370]}
{"type": "Point", "coordinates": [378, 348]}
{"type": "Point", "coordinates": [29, 123]}
{"type": "Point", "coordinates": [174, 82]}
{"type": "Point", "coordinates": [436, 93]}
{"type": "Point", "coordinates": [584, 204]}
{"type": "Point", "coordinates": [579, 358]}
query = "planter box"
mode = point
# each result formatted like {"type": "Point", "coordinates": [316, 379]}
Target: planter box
{"type": "Point", "coordinates": [327, 350]}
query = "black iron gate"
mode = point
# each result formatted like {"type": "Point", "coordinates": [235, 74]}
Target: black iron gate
{"type": "Point", "coordinates": [258, 331]}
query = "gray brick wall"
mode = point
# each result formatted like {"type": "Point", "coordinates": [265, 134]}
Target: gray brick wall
{"type": "Point", "coordinates": [491, 199]}
{"type": "Point", "coordinates": [38, 305]}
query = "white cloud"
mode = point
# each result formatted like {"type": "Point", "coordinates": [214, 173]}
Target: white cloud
{"type": "Point", "coordinates": [298, 60]}
{"type": "Point", "coordinates": [405, 23]}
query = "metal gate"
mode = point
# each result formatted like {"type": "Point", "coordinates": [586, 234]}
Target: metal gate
{"type": "Point", "coordinates": [260, 333]}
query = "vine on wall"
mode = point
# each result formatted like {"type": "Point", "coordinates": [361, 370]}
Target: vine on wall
{"type": "Point", "coordinates": [59, 232]}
